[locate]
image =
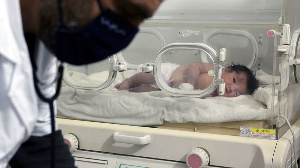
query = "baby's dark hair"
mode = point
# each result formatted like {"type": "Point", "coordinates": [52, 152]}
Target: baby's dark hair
{"type": "Point", "coordinates": [252, 82]}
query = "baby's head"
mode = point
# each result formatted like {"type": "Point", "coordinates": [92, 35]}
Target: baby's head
{"type": "Point", "coordinates": [239, 80]}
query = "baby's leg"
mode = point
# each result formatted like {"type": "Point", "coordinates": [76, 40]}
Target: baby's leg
{"type": "Point", "coordinates": [136, 80]}
{"type": "Point", "coordinates": [143, 88]}
{"type": "Point", "coordinates": [124, 85]}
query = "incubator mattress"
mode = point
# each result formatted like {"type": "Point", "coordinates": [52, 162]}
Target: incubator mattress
{"type": "Point", "coordinates": [155, 108]}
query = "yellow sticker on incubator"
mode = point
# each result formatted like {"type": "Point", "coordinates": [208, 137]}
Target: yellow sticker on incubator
{"type": "Point", "coordinates": [258, 133]}
{"type": "Point", "coordinates": [267, 131]}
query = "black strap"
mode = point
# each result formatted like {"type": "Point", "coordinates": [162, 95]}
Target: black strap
{"type": "Point", "coordinates": [31, 44]}
{"type": "Point", "coordinates": [60, 13]}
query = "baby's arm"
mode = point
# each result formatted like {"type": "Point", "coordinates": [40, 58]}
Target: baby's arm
{"type": "Point", "coordinates": [194, 70]}
{"type": "Point", "coordinates": [136, 80]}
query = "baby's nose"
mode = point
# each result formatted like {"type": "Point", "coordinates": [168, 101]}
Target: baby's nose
{"type": "Point", "coordinates": [232, 88]}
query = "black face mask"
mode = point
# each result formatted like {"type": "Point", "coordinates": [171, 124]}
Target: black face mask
{"type": "Point", "coordinates": [106, 35]}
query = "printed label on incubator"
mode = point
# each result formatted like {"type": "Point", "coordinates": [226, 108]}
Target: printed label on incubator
{"type": "Point", "coordinates": [130, 166]}
{"type": "Point", "coordinates": [258, 133]}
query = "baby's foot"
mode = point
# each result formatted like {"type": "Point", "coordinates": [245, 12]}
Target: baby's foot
{"type": "Point", "coordinates": [117, 85]}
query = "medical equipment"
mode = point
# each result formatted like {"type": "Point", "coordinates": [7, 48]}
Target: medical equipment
{"type": "Point", "coordinates": [153, 129]}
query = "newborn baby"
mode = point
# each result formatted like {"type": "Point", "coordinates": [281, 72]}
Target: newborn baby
{"type": "Point", "coordinates": [238, 79]}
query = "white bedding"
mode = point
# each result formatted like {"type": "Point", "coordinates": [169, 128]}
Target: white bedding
{"type": "Point", "coordinates": [152, 108]}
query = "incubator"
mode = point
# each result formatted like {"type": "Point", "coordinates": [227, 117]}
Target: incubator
{"type": "Point", "coordinates": [175, 121]}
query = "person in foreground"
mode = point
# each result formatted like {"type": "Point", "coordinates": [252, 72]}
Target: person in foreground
{"type": "Point", "coordinates": [73, 31]}
{"type": "Point", "coordinates": [238, 79]}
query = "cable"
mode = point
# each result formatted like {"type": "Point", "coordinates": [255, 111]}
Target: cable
{"type": "Point", "coordinates": [293, 146]}
{"type": "Point", "coordinates": [291, 152]}
{"type": "Point", "coordinates": [274, 153]}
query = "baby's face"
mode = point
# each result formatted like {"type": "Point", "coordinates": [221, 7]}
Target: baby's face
{"type": "Point", "coordinates": [235, 84]}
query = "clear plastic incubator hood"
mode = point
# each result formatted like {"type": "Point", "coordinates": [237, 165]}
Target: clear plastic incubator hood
{"type": "Point", "coordinates": [177, 116]}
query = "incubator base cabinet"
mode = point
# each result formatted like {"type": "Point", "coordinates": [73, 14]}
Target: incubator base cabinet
{"type": "Point", "coordinates": [119, 146]}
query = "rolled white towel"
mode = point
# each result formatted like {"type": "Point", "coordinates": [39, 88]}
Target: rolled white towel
{"type": "Point", "coordinates": [186, 86]}
{"type": "Point", "coordinates": [265, 79]}
{"type": "Point", "coordinates": [264, 95]}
